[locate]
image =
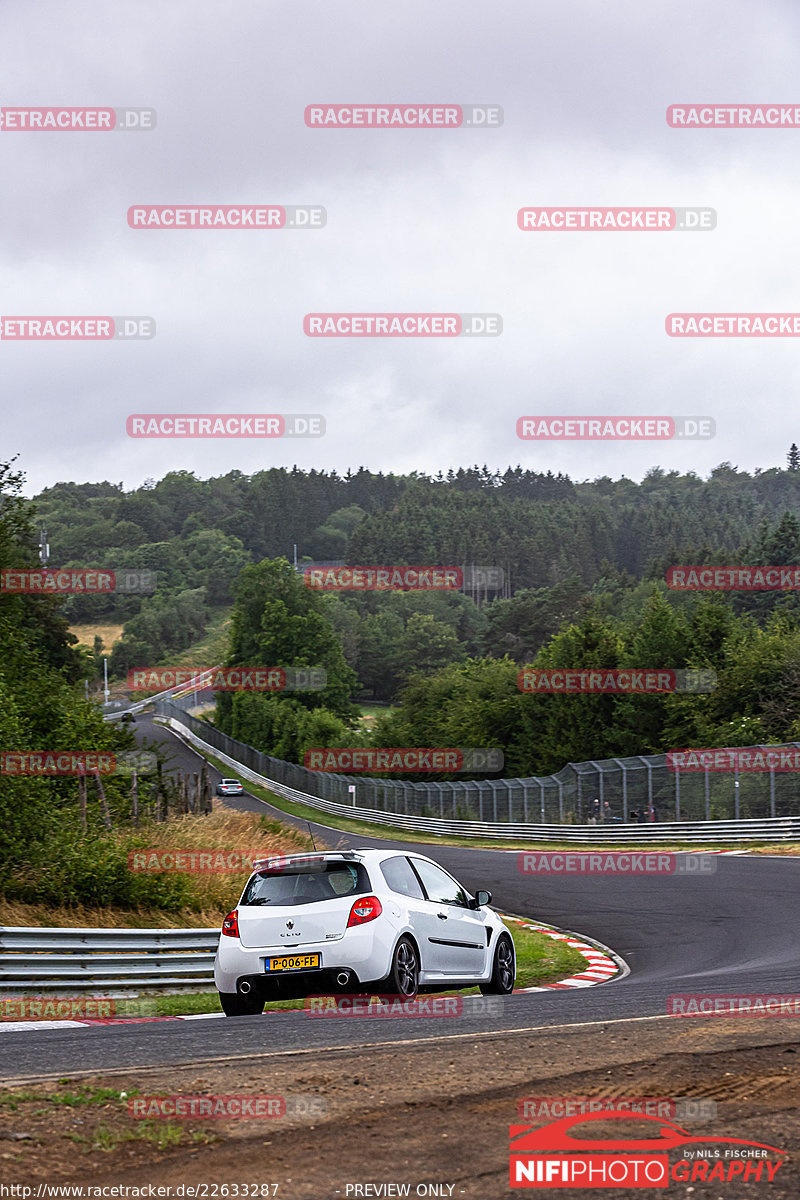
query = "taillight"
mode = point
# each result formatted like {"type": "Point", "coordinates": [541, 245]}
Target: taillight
{"type": "Point", "coordinates": [366, 909]}
{"type": "Point", "coordinates": [230, 926]}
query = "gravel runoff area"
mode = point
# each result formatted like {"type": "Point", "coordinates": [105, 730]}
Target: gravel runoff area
{"type": "Point", "coordinates": [431, 1113]}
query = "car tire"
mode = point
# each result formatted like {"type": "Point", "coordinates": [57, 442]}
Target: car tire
{"type": "Point", "coordinates": [403, 977]}
{"type": "Point", "coordinates": [235, 1005]}
{"type": "Point", "coordinates": [502, 980]}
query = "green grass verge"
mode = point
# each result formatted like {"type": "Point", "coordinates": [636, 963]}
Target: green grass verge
{"type": "Point", "coordinates": [370, 711]}
{"type": "Point", "coordinates": [161, 1134]}
{"type": "Point", "coordinates": [81, 1097]}
{"type": "Point", "coordinates": [208, 651]}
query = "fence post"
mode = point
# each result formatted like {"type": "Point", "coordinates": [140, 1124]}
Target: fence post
{"type": "Point", "coordinates": [708, 796]}
{"type": "Point", "coordinates": [601, 812]}
{"type": "Point", "coordinates": [737, 808]}
{"type": "Point", "coordinates": [624, 770]}
{"type": "Point", "coordinates": [560, 801]}
{"type": "Point", "coordinates": [677, 794]}
{"type": "Point", "coordinates": [772, 791]}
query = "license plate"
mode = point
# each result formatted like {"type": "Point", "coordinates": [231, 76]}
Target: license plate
{"type": "Point", "coordinates": [293, 962]}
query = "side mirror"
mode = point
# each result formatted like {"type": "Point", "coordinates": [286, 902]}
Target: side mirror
{"type": "Point", "coordinates": [482, 899]}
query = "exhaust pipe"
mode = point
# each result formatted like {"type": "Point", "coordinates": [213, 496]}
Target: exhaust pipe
{"type": "Point", "coordinates": [343, 978]}
{"type": "Point", "coordinates": [245, 987]}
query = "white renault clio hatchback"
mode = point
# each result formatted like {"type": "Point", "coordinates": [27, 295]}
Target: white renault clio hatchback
{"type": "Point", "coordinates": [337, 921]}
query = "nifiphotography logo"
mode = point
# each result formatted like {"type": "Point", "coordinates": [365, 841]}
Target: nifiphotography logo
{"type": "Point", "coordinates": [551, 1156]}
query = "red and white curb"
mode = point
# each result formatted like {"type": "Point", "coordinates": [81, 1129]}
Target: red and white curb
{"type": "Point", "coordinates": [18, 1026]}
{"type": "Point", "coordinates": [601, 965]}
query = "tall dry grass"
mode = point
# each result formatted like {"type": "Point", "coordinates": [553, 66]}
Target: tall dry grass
{"type": "Point", "coordinates": [209, 895]}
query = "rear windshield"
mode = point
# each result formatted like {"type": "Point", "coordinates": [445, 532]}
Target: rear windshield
{"type": "Point", "coordinates": [306, 885]}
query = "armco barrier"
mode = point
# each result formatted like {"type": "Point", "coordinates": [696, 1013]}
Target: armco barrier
{"type": "Point", "coordinates": [770, 829]}
{"type": "Point", "coordinates": [67, 960]}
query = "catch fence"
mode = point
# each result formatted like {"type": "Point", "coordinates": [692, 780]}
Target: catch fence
{"type": "Point", "coordinates": [636, 790]}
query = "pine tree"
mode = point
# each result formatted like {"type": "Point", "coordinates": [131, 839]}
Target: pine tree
{"type": "Point", "coordinates": [793, 458]}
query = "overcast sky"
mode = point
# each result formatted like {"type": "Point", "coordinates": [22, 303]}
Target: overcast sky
{"type": "Point", "coordinates": [421, 221]}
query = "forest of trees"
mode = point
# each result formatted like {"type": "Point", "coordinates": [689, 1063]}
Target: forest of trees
{"type": "Point", "coordinates": [586, 564]}
{"type": "Point", "coordinates": [542, 529]}
{"type": "Point", "coordinates": [53, 848]}
{"type": "Point", "coordinates": [476, 701]}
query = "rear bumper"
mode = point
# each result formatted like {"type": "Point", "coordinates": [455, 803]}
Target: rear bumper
{"type": "Point", "coordinates": [359, 952]}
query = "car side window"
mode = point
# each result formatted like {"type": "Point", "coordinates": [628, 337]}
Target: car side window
{"type": "Point", "coordinates": [440, 886]}
{"type": "Point", "coordinates": [400, 878]}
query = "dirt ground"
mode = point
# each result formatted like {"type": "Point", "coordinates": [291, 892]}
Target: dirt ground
{"type": "Point", "coordinates": [412, 1114]}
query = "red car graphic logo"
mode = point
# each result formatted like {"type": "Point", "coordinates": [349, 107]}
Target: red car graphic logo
{"type": "Point", "coordinates": [556, 1136]}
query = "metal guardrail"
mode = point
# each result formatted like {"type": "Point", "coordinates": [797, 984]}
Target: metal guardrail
{"type": "Point", "coordinates": [769, 829]}
{"type": "Point", "coordinates": [56, 959]}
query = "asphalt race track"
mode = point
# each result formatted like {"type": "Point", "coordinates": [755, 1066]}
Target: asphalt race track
{"type": "Point", "coordinates": [734, 931]}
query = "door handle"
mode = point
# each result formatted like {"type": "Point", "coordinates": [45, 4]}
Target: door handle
{"type": "Point", "coordinates": [442, 916]}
